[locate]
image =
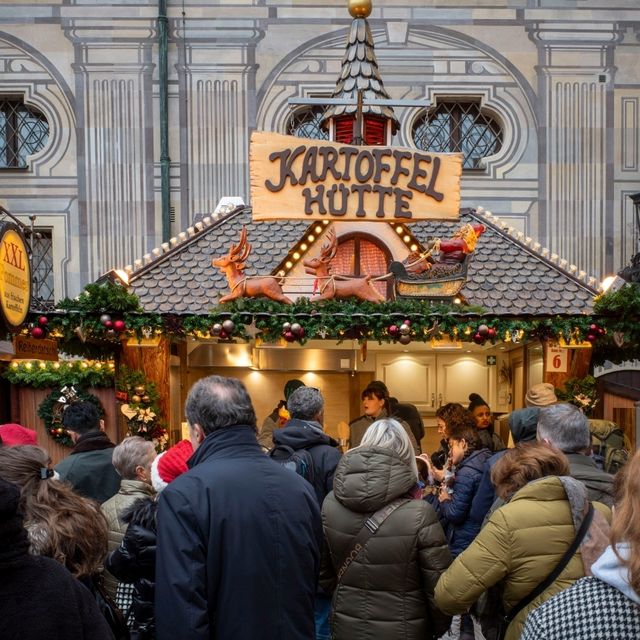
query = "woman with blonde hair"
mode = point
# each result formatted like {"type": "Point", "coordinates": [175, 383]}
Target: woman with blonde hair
{"type": "Point", "coordinates": [384, 550]}
{"type": "Point", "coordinates": [607, 604]}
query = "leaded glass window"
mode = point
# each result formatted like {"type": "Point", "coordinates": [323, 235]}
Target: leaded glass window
{"type": "Point", "coordinates": [305, 123]}
{"type": "Point", "coordinates": [23, 131]}
{"type": "Point", "coordinates": [42, 266]}
{"type": "Point", "coordinates": [458, 127]}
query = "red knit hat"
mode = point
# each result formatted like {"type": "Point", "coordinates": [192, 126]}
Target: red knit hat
{"type": "Point", "coordinates": [170, 464]}
{"type": "Point", "coordinates": [15, 435]}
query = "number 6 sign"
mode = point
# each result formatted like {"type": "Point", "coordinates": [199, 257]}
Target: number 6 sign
{"type": "Point", "coordinates": [557, 360]}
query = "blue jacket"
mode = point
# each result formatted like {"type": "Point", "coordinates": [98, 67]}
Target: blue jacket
{"type": "Point", "coordinates": [238, 546]}
{"type": "Point", "coordinates": [455, 513]}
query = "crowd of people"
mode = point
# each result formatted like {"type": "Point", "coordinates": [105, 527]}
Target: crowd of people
{"type": "Point", "coordinates": [247, 533]}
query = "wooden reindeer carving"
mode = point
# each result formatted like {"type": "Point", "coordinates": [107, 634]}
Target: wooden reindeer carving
{"type": "Point", "coordinates": [232, 265]}
{"type": "Point", "coordinates": [338, 286]}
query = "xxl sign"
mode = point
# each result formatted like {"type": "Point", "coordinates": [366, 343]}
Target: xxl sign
{"type": "Point", "coordinates": [296, 178]}
{"type": "Point", "coordinates": [15, 276]}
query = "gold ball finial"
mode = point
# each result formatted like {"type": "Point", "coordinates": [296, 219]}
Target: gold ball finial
{"type": "Point", "coordinates": [360, 8]}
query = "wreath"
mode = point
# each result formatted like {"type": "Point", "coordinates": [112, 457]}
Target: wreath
{"type": "Point", "coordinates": [52, 407]}
{"type": "Point", "coordinates": [139, 400]}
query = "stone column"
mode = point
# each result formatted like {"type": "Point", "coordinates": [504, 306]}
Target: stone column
{"type": "Point", "coordinates": [114, 67]}
{"type": "Point", "coordinates": [217, 70]}
{"type": "Point", "coordinates": [575, 78]}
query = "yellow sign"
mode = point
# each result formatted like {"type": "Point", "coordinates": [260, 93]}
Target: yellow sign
{"type": "Point", "coordinates": [295, 178]}
{"type": "Point", "coordinates": [15, 276]}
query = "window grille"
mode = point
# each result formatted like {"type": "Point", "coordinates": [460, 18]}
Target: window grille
{"type": "Point", "coordinates": [23, 131]}
{"type": "Point", "coordinates": [458, 127]}
{"type": "Point", "coordinates": [42, 267]}
{"type": "Point", "coordinates": [305, 123]}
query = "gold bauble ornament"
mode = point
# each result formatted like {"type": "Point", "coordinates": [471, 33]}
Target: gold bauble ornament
{"type": "Point", "coordinates": [140, 390]}
{"type": "Point", "coordinates": [360, 8]}
{"type": "Point", "coordinates": [136, 399]}
{"type": "Point", "coordinates": [146, 399]}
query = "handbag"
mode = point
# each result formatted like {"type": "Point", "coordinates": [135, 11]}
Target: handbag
{"type": "Point", "coordinates": [494, 623]}
{"type": "Point", "coordinates": [111, 613]}
{"type": "Point", "coordinates": [370, 528]}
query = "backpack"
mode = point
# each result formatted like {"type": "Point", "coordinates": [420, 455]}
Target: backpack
{"type": "Point", "coordinates": [297, 460]}
{"type": "Point", "coordinates": [611, 447]}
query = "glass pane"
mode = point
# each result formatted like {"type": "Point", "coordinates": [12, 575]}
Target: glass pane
{"type": "Point", "coordinates": [23, 131]}
{"type": "Point", "coordinates": [42, 265]}
{"type": "Point", "coordinates": [458, 127]}
{"type": "Point", "coordinates": [305, 123]}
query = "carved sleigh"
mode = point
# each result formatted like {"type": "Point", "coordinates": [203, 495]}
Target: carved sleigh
{"type": "Point", "coordinates": [433, 284]}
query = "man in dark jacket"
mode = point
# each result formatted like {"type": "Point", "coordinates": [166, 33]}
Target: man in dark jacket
{"type": "Point", "coordinates": [88, 468]}
{"type": "Point", "coordinates": [565, 427]}
{"type": "Point", "coordinates": [238, 535]}
{"type": "Point", "coordinates": [304, 431]}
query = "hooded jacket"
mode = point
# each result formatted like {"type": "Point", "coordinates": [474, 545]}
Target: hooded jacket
{"type": "Point", "coordinates": [599, 483]}
{"type": "Point", "coordinates": [306, 434]}
{"type": "Point", "coordinates": [387, 591]}
{"type": "Point", "coordinates": [520, 545]}
{"type": "Point", "coordinates": [238, 550]}
{"type": "Point", "coordinates": [612, 604]}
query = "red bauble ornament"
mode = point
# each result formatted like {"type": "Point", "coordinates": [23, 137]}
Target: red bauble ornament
{"type": "Point", "coordinates": [300, 333]}
{"type": "Point", "coordinates": [601, 331]}
{"type": "Point", "coordinates": [108, 324]}
{"type": "Point", "coordinates": [478, 339]}
{"type": "Point", "coordinates": [119, 325]}
{"type": "Point", "coordinates": [594, 327]}
{"type": "Point", "coordinates": [591, 337]}
{"type": "Point", "coordinates": [43, 321]}
{"type": "Point", "coordinates": [393, 330]}
{"type": "Point", "coordinates": [37, 332]}
{"type": "Point", "coordinates": [491, 333]}
{"type": "Point", "coordinates": [288, 336]}
{"type": "Point", "coordinates": [223, 334]}
{"type": "Point", "coordinates": [407, 322]}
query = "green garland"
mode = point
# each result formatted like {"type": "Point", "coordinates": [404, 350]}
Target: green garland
{"type": "Point", "coordinates": [78, 327]}
{"type": "Point", "coordinates": [50, 410]}
{"type": "Point", "coordinates": [41, 374]}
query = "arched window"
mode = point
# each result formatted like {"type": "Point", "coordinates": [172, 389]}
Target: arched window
{"type": "Point", "coordinates": [305, 123]}
{"type": "Point", "coordinates": [458, 127]}
{"type": "Point", "coordinates": [23, 131]}
{"type": "Point", "coordinates": [360, 255]}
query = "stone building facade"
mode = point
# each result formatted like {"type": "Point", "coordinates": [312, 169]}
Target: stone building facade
{"type": "Point", "coordinates": [560, 77]}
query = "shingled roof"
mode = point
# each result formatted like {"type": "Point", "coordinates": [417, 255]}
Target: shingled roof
{"type": "Point", "coordinates": [509, 274]}
{"type": "Point", "coordinates": [360, 72]}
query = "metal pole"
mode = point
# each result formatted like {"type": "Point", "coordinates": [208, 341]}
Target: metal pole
{"type": "Point", "coordinates": [165, 160]}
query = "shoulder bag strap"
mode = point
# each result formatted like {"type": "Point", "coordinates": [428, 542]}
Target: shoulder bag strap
{"type": "Point", "coordinates": [551, 578]}
{"type": "Point", "coordinates": [371, 526]}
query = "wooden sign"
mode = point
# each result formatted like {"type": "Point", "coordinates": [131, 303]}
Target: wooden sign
{"type": "Point", "coordinates": [296, 178]}
{"type": "Point", "coordinates": [557, 360]}
{"type": "Point", "coordinates": [26, 348]}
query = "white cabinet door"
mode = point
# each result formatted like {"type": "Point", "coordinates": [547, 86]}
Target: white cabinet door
{"type": "Point", "coordinates": [460, 375]}
{"type": "Point", "coordinates": [410, 378]}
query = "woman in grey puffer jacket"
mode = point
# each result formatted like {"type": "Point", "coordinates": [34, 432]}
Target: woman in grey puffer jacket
{"type": "Point", "coordinates": [387, 591]}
